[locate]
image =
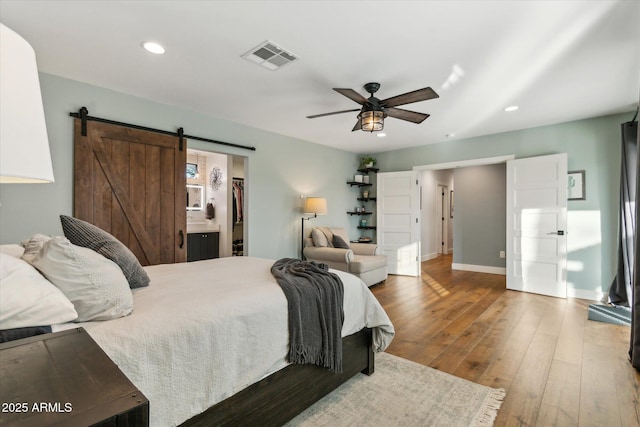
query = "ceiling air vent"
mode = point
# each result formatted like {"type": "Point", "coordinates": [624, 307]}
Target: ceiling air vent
{"type": "Point", "coordinates": [269, 56]}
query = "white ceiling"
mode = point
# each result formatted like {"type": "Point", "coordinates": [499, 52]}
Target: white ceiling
{"type": "Point", "coordinates": [557, 60]}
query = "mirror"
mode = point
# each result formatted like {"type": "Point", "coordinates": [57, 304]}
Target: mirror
{"type": "Point", "coordinates": [195, 197]}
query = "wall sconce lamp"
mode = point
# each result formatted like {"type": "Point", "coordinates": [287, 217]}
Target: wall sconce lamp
{"type": "Point", "coordinates": [312, 205]}
{"type": "Point", "coordinates": [24, 143]}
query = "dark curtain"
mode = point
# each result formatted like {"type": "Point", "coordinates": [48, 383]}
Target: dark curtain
{"type": "Point", "coordinates": [620, 292]}
{"type": "Point", "coordinates": [634, 349]}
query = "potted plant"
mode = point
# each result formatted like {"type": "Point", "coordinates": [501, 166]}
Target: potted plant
{"type": "Point", "coordinates": [367, 161]}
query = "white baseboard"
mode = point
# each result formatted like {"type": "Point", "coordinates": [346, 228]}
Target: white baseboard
{"type": "Point", "coordinates": [584, 294]}
{"type": "Point", "coordinates": [479, 268]}
{"type": "Point", "coordinates": [427, 257]}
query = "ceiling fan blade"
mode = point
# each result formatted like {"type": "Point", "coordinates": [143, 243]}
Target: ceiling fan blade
{"type": "Point", "coordinates": [410, 116]}
{"type": "Point", "coordinates": [409, 97]}
{"type": "Point", "coordinates": [352, 95]}
{"type": "Point", "coordinates": [330, 114]}
{"type": "Point", "coordinates": [358, 125]}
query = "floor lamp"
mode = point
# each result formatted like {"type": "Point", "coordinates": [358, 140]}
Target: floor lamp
{"type": "Point", "coordinates": [312, 206]}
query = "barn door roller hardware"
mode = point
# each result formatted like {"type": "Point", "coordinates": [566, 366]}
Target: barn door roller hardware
{"type": "Point", "coordinates": [83, 115]}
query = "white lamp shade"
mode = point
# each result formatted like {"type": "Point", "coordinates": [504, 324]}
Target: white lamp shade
{"type": "Point", "coordinates": [24, 144]}
{"type": "Point", "coordinates": [315, 205]}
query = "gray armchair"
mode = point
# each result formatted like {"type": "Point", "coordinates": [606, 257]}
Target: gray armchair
{"type": "Point", "coordinates": [331, 246]}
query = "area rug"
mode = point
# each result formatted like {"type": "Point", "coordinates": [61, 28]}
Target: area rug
{"type": "Point", "coordinates": [404, 393]}
{"type": "Point", "coordinates": [610, 314]}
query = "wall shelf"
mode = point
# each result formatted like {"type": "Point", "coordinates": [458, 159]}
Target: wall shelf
{"type": "Point", "coordinates": [364, 197]}
{"type": "Point", "coordinates": [367, 170]}
{"type": "Point", "coordinates": [359, 184]}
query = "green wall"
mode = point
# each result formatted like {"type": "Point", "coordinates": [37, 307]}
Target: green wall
{"type": "Point", "coordinates": [283, 168]}
{"type": "Point", "coordinates": [280, 170]}
{"type": "Point", "coordinates": [592, 145]}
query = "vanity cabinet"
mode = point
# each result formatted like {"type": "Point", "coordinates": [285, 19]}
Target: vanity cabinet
{"type": "Point", "coordinates": [203, 245]}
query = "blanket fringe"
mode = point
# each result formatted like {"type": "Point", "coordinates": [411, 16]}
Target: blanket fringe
{"type": "Point", "coordinates": [302, 354]}
{"type": "Point", "coordinates": [492, 404]}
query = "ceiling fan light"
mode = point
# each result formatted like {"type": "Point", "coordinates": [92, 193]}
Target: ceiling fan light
{"type": "Point", "coordinates": [372, 121]}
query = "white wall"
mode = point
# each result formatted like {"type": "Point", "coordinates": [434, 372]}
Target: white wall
{"type": "Point", "coordinates": [430, 198]}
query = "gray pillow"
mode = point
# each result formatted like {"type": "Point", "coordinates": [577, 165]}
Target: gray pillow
{"type": "Point", "coordinates": [81, 233]}
{"type": "Point", "coordinates": [338, 242]}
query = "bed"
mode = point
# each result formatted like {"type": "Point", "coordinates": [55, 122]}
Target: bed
{"type": "Point", "coordinates": [207, 343]}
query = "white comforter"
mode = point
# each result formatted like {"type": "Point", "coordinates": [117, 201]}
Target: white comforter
{"type": "Point", "coordinates": [205, 330]}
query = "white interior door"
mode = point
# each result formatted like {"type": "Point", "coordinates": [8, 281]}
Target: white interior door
{"type": "Point", "coordinates": [537, 224]}
{"type": "Point", "coordinates": [398, 230]}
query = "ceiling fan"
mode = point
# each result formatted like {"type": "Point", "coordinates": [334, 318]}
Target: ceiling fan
{"type": "Point", "coordinates": [374, 110]}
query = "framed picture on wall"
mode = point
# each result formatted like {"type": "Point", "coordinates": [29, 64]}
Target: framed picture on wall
{"type": "Point", "coordinates": [576, 185]}
{"type": "Point", "coordinates": [192, 169]}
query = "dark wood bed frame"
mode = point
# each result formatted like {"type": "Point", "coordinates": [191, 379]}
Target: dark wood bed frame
{"type": "Point", "coordinates": [284, 394]}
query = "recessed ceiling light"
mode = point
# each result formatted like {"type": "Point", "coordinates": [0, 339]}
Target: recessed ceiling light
{"type": "Point", "coordinates": [511, 108]}
{"type": "Point", "coordinates": [153, 47]}
{"type": "Point", "coordinates": [381, 135]}
{"type": "Point", "coordinates": [450, 135]}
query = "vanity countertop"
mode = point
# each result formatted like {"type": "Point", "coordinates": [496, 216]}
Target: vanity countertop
{"type": "Point", "coordinates": [202, 227]}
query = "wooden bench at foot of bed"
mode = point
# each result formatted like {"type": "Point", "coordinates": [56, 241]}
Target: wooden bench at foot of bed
{"type": "Point", "coordinates": [284, 394]}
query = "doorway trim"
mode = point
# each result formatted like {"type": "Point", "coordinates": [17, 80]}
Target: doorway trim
{"type": "Point", "coordinates": [462, 164]}
{"type": "Point", "coordinates": [466, 163]}
{"type": "Point", "coordinates": [442, 208]}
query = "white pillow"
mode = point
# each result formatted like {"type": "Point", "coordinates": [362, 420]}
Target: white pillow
{"type": "Point", "coordinates": [28, 299]}
{"type": "Point", "coordinates": [32, 246]}
{"type": "Point", "coordinates": [13, 250]}
{"type": "Point", "coordinates": [95, 285]}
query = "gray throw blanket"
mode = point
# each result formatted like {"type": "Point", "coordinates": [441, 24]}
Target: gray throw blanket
{"type": "Point", "coordinates": [315, 299]}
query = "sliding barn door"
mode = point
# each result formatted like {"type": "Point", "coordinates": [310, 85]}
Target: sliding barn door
{"type": "Point", "coordinates": [132, 184]}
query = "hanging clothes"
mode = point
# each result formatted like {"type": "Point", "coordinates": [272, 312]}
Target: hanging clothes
{"type": "Point", "coordinates": [238, 196]}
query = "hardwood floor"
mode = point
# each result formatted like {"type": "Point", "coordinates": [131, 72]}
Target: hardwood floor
{"type": "Point", "coordinates": [557, 367]}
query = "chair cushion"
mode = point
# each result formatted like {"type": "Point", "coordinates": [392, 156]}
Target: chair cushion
{"type": "Point", "coordinates": [328, 236]}
{"type": "Point", "coordinates": [364, 263]}
{"type": "Point", "coordinates": [319, 238]}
